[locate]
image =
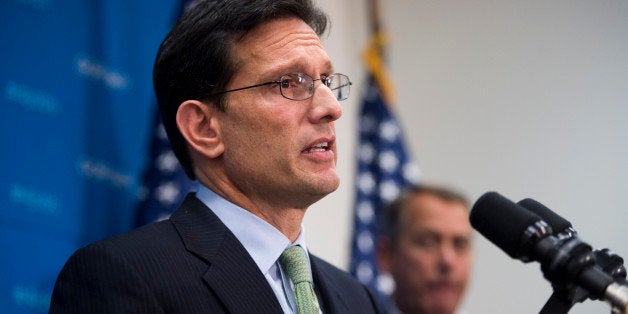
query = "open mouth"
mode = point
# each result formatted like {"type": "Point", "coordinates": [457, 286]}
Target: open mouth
{"type": "Point", "coordinates": [318, 147]}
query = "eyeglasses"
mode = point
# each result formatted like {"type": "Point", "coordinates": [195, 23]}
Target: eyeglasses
{"type": "Point", "coordinates": [300, 86]}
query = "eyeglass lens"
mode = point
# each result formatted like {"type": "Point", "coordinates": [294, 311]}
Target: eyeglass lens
{"type": "Point", "coordinates": [339, 85]}
{"type": "Point", "coordinates": [299, 86]}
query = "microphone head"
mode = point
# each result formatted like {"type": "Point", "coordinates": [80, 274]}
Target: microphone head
{"type": "Point", "coordinates": [558, 223]}
{"type": "Point", "coordinates": [503, 222]}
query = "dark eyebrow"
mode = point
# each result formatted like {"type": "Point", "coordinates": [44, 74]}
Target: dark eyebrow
{"type": "Point", "coordinates": [298, 66]}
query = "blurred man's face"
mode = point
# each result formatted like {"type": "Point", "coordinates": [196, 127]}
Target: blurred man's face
{"type": "Point", "coordinates": [432, 258]}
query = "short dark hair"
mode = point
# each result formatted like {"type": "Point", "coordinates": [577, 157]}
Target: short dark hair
{"type": "Point", "coordinates": [390, 221]}
{"type": "Point", "coordinates": [195, 59]}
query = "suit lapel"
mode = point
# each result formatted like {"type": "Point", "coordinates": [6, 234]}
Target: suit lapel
{"type": "Point", "coordinates": [232, 274]}
{"type": "Point", "coordinates": [331, 297]}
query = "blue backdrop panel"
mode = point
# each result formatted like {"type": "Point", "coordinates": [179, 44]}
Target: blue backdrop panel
{"type": "Point", "coordinates": [76, 108]}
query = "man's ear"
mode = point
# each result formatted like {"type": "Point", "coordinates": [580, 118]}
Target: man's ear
{"type": "Point", "coordinates": [384, 254]}
{"type": "Point", "coordinates": [198, 123]}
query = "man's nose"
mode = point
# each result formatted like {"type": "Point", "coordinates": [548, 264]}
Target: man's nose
{"type": "Point", "coordinates": [325, 106]}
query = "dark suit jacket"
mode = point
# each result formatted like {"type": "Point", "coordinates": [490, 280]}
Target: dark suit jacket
{"type": "Point", "coordinates": [190, 263]}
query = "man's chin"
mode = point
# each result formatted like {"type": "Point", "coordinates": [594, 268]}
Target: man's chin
{"type": "Point", "coordinates": [444, 303]}
{"type": "Point", "coordinates": [326, 182]}
{"type": "Point", "coordinates": [326, 189]}
{"type": "Point", "coordinates": [319, 188]}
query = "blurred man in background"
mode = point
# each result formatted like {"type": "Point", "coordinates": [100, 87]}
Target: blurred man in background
{"type": "Point", "coordinates": [426, 247]}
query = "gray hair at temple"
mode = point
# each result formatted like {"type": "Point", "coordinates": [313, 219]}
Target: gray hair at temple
{"type": "Point", "coordinates": [389, 226]}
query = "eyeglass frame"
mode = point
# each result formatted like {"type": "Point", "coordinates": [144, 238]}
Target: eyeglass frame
{"type": "Point", "coordinates": [325, 80]}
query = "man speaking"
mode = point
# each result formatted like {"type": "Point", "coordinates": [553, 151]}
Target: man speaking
{"type": "Point", "coordinates": [248, 97]}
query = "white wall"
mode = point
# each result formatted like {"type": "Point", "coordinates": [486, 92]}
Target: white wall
{"type": "Point", "coordinates": [528, 98]}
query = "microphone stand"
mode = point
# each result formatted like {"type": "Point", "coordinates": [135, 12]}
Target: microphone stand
{"type": "Point", "coordinates": [565, 295]}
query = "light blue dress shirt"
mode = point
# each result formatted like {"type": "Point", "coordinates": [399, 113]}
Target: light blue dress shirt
{"type": "Point", "coordinates": [260, 239]}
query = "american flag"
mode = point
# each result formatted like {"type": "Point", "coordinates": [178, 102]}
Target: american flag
{"type": "Point", "coordinates": [384, 168]}
{"type": "Point", "coordinates": [164, 181]}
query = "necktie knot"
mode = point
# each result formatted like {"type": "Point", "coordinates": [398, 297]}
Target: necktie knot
{"type": "Point", "coordinates": [294, 262]}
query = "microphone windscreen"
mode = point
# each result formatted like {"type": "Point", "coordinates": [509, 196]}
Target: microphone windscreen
{"type": "Point", "coordinates": [558, 223]}
{"type": "Point", "coordinates": [502, 222]}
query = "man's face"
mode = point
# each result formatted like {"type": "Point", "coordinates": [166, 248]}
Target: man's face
{"type": "Point", "coordinates": [278, 151]}
{"type": "Point", "coordinates": [431, 260]}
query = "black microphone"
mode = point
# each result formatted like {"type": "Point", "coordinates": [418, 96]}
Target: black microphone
{"type": "Point", "coordinates": [610, 262]}
{"type": "Point", "coordinates": [564, 297]}
{"type": "Point", "coordinates": [562, 227]}
{"type": "Point", "coordinates": [524, 235]}
{"type": "Point", "coordinates": [504, 223]}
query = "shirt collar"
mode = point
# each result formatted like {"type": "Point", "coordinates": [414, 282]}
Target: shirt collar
{"type": "Point", "coordinates": [260, 239]}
